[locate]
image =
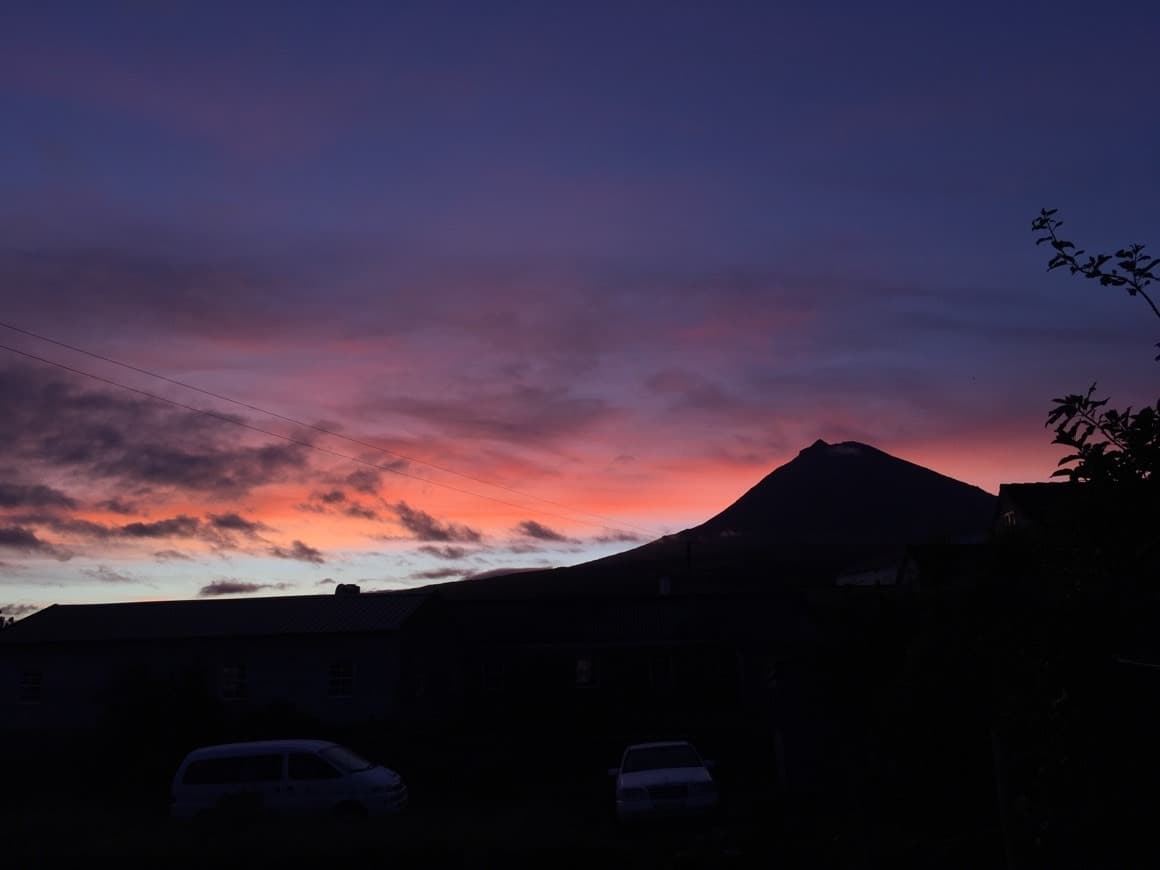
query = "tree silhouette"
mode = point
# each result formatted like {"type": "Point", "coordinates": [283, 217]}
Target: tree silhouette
{"type": "Point", "coordinates": [1109, 446]}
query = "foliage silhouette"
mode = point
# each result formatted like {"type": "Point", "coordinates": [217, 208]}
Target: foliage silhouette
{"type": "Point", "coordinates": [1109, 446]}
{"type": "Point", "coordinates": [1139, 269]}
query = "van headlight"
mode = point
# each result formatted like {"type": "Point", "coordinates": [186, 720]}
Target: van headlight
{"type": "Point", "coordinates": [631, 794]}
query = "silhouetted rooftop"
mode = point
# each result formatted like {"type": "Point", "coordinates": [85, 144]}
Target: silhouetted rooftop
{"type": "Point", "coordinates": [1045, 504]}
{"type": "Point", "coordinates": [229, 617]}
{"type": "Point", "coordinates": [663, 619]}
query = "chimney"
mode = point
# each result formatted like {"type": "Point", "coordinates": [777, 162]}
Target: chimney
{"type": "Point", "coordinates": [346, 589]}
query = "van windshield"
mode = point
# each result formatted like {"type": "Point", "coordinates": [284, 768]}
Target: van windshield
{"type": "Point", "coordinates": [345, 759]}
{"type": "Point", "coordinates": [661, 758]}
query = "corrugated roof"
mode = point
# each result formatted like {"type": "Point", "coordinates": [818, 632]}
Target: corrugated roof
{"type": "Point", "coordinates": [226, 617]}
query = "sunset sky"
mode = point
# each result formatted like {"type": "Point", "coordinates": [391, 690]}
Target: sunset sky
{"type": "Point", "coordinates": [542, 280]}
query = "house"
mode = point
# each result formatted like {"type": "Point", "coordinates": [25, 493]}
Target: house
{"type": "Point", "coordinates": [597, 672]}
{"type": "Point", "coordinates": [1038, 507]}
{"type": "Point", "coordinates": [335, 659]}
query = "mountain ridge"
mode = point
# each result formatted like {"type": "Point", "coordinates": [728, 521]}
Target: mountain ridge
{"type": "Point", "coordinates": [833, 508]}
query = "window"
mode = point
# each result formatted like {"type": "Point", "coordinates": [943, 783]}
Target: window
{"type": "Point", "coordinates": [492, 674]}
{"type": "Point", "coordinates": [262, 768]}
{"type": "Point", "coordinates": [306, 765]}
{"type": "Point", "coordinates": [341, 683]}
{"type": "Point", "coordinates": [233, 684]}
{"type": "Point", "coordinates": [234, 769]}
{"type": "Point", "coordinates": [585, 672]}
{"type": "Point", "coordinates": [661, 671]}
{"type": "Point", "coordinates": [661, 758]}
{"type": "Point", "coordinates": [28, 690]}
{"type": "Point", "coordinates": [345, 759]}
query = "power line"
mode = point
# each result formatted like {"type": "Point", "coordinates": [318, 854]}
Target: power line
{"type": "Point", "coordinates": [227, 419]}
{"type": "Point", "coordinates": [322, 429]}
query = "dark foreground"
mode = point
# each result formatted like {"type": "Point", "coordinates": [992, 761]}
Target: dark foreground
{"type": "Point", "coordinates": [546, 830]}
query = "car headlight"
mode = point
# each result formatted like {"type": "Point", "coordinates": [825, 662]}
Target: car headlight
{"type": "Point", "coordinates": [702, 788]}
{"type": "Point", "coordinates": [631, 794]}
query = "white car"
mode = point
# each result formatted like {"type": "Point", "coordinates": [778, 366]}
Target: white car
{"type": "Point", "coordinates": [283, 777]}
{"type": "Point", "coordinates": [663, 779]}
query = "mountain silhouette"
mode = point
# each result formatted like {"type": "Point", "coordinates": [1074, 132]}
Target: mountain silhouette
{"type": "Point", "coordinates": [851, 494]}
{"type": "Point", "coordinates": [834, 508]}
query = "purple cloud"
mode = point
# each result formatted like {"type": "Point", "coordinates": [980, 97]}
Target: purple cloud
{"type": "Point", "coordinates": [21, 540]}
{"type": "Point", "coordinates": [360, 512]}
{"type": "Point", "coordinates": [438, 574]}
{"type": "Point", "coordinates": [519, 414]}
{"type": "Point", "coordinates": [448, 552]}
{"type": "Point", "coordinates": [171, 556]}
{"type": "Point", "coordinates": [233, 522]}
{"type": "Point", "coordinates": [299, 551]}
{"type": "Point", "coordinates": [117, 506]}
{"type": "Point", "coordinates": [56, 424]}
{"type": "Point", "coordinates": [107, 575]}
{"type": "Point", "coordinates": [238, 587]}
{"type": "Point", "coordinates": [65, 525]}
{"type": "Point", "coordinates": [176, 527]}
{"type": "Point", "coordinates": [336, 501]}
{"type": "Point", "coordinates": [36, 495]}
{"type": "Point", "coordinates": [365, 481]}
{"type": "Point", "coordinates": [532, 529]}
{"type": "Point", "coordinates": [426, 528]}
{"type": "Point", "coordinates": [618, 538]}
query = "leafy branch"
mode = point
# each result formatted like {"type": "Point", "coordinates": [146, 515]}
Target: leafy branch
{"type": "Point", "coordinates": [1127, 445]}
{"type": "Point", "coordinates": [1139, 269]}
{"type": "Point", "coordinates": [1129, 451]}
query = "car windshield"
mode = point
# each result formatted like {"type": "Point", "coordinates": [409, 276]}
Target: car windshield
{"type": "Point", "coordinates": [660, 757]}
{"type": "Point", "coordinates": [345, 760]}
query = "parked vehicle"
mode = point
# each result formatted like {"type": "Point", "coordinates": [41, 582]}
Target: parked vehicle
{"type": "Point", "coordinates": [663, 779]}
{"type": "Point", "coordinates": [283, 777]}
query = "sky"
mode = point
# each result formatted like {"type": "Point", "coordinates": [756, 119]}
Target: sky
{"type": "Point", "coordinates": [296, 294]}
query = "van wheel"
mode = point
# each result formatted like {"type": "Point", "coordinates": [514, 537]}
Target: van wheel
{"type": "Point", "coordinates": [350, 811]}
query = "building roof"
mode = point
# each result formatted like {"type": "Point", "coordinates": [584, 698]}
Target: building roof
{"type": "Point", "coordinates": [223, 617]}
{"type": "Point", "coordinates": [1045, 505]}
{"type": "Point", "coordinates": [657, 619]}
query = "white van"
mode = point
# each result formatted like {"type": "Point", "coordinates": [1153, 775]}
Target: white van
{"type": "Point", "coordinates": [283, 777]}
